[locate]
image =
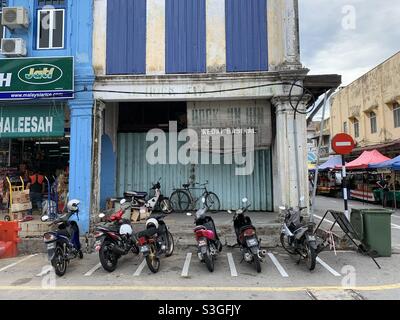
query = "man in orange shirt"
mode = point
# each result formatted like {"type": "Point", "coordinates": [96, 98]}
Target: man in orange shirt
{"type": "Point", "coordinates": [36, 188]}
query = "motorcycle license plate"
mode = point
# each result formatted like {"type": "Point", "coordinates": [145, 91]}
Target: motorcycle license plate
{"type": "Point", "coordinates": [202, 243]}
{"type": "Point", "coordinates": [51, 246]}
{"type": "Point", "coordinates": [252, 242]}
{"type": "Point", "coordinates": [144, 249]}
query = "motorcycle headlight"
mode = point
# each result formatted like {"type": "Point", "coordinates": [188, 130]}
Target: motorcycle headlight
{"type": "Point", "coordinates": [49, 237]}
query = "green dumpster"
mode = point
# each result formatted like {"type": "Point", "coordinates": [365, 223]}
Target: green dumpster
{"type": "Point", "coordinates": [374, 228]}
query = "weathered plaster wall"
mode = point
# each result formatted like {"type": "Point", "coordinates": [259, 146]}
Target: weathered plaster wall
{"type": "Point", "coordinates": [376, 91]}
{"type": "Point", "coordinates": [279, 13]}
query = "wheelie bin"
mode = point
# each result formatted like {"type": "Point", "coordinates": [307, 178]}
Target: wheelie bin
{"type": "Point", "coordinates": [374, 228]}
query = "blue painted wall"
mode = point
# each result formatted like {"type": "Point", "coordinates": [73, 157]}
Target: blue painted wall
{"type": "Point", "coordinates": [78, 43]}
{"type": "Point", "coordinates": [185, 36]}
{"type": "Point", "coordinates": [246, 35]}
{"type": "Point", "coordinates": [108, 172]}
{"type": "Point", "coordinates": [126, 37]}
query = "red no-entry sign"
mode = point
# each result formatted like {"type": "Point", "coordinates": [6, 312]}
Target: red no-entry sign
{"type": "Point", "coordinates": [343, 143]}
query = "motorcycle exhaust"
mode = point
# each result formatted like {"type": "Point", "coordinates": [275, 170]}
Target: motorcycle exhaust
{"type": "Point", "coordinates": [262, 253]}
{"type": "Point", "coordinates": [118, 250]}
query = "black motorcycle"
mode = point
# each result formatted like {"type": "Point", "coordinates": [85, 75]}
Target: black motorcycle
{"type": "Point", "coordinates": [208, 242]}
{"type": "Point", "coordinates": [156, 240]}
{"type": "Point", "coordinates": [297, 237]}
{"type": "Point", "coordinates": [246, 236]}
{"type": "Point", "coordinates": [114, 237]}
{"type": "Point", "coordinates": [158, 201]}
{"type": "Point", "coordinates": [63, 243]}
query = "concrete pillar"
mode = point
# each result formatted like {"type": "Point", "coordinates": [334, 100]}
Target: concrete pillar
{"type": "Point", "coordinates": [288, 169]}
{"type": "Point", "coordinates": [291, 35]}
{"type": "Point", "coordinates": [80, 166]}
{"type": "Point", "coordinates": [216, 36]}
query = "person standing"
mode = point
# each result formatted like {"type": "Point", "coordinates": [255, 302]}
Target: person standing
{"type": "Point", "coordinates": [36, 189]}
{"type": "Point", "coordinates": [384, 185]}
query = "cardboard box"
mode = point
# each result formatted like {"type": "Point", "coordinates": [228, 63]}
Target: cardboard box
{"type": "Point", "coordinates": [135, 215]}
{"type": "Point", "coordinates": [19, 197]}
{"type": "Point", "coordinates": [18, 207]}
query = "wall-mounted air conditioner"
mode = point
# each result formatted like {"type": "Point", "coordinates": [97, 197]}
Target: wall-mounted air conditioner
{"type": "Point", "coordinates": [15, 47]}
{"type": "Point", "coordinates": [15, 17]}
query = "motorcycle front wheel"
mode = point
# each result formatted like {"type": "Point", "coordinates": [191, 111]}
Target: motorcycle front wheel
{"type": "Point", "coordinates": [170, 244]}
{"type": "Point", "coordinates": [311, 257]}
{"type": "Point", "coordinates": [209, 260]}
{"type": "Point", "coordinates": [166, 206]}
{"type": "Point", "coordinates": [285, 244]}
{"type": "Point", "coordinates": [153, 262]}
{"type": "Point", "coordinates": [108, 259]}
{"type": "Point", "coordinates": [58, 262]}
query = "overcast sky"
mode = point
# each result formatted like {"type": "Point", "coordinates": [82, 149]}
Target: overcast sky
{"type": "Point", "coordinates": [348, 37]}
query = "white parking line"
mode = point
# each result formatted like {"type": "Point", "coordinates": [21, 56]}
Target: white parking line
{"type": "Point", "coordinates": [91, 271]}
{"type": "Point", "coordinates": [140, 268]}
{"type": "Point", "coordinates": [278, 265]}
{"type": "Point", "coordinates": [185, 270]}
{"type": "Point", "coordinates": [395, 226]}
{"type": "Point", "coordinates": [17, 262]}
{"type": "Point", "coordinates": [45, 270]}
{"type": "Point", "coordinates": [232, 265]}
{"type": "Point", "coordinates": [327, 267]}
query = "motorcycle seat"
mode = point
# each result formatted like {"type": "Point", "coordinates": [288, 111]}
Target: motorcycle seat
{"type": "Point", "coordinates": [186, 185]}
{"type": "Point", "coordinates": [198, 228]}
{"type": "Point", "coordinates": [147, 233]}
{"type": "Point", "coordinates": [136, 194]}
{"type": "Point", "coordinates": [244, 228]}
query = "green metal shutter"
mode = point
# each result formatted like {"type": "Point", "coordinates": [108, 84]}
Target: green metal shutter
{"type": "Point", "coordinates": [134, 173]}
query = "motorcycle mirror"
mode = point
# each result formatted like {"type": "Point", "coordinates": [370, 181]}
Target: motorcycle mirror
{"type": "Point", "coordinates": [44, 218]}
{"type": "Point", "coordinates": [203, 200]}
{"type": "Point", "coordinates": [102, 215]}
{"type": "Point", "coordinates": [188, 214]}
{"type": "Point", "coordinates": [122, 201]}
{"type": "Point", "coordinates": [244, 200]}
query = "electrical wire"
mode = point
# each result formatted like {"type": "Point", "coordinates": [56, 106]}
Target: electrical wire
{"type": "Point", "coordinates": [292, 84]}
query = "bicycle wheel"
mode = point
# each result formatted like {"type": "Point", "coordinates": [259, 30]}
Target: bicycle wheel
{"type": "Point", "coordinates": [180, 201]}
{"type": "Point", "coordinates": [212, 202]}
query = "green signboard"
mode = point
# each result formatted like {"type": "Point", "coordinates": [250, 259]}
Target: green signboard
{"type": "Point", "coordinates": [31, 121]}
{"type": "Point", "coordinates": [31, 78]}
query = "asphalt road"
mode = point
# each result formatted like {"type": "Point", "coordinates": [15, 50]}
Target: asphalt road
{"type": "Point", "coordinates": [322, 204]}
{"type": "Point", "coordinates": [346, 275]}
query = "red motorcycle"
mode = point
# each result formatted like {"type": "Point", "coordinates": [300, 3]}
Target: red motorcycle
{"type": "Point", "coordinates": [114, 237]}
{"type": "Point", "coordinates": [207, 239]}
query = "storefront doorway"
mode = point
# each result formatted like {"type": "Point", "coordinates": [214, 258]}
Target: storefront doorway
{"type": "Point", "coordinates": [34, 142]}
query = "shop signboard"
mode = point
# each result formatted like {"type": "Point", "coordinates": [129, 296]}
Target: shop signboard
{"type": "Point", "coordinates": [37, 78]}
{"type": "Point", "coordinates": [31, 121]}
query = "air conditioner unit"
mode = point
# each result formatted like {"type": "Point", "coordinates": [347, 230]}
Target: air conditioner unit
{"type": "Point", "coordinates": [15, 47]}
{"type": "Point", "coordinates": [15, 17]}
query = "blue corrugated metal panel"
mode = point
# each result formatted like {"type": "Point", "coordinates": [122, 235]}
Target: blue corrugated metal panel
{"type": "Point", "coordinates": [246, 35]}
{"type": "Point", "coordinates": [126, 37]}
{"type": "Point", "coordinates": [134, 173]}
{"type": "Point", "coordinates": [185, 36]}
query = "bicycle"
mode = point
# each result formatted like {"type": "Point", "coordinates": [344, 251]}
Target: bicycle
{"type": "Point", "coordinates": [182, 198]}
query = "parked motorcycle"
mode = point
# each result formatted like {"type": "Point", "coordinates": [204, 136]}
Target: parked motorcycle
{"type": "Point", "coordinates": [63, 243]}
{"type": "Point", "coordinates": [297, 237]}
{"type": "Point", "coordinates": [154, 241]}
{"type": "Point", "coordinates": [114, 237]}
{"type": "Point", "coordinates": [158, 201]}
{"type": "Point", "coordinates": [246, 236]}
{"type": "Point", "coordinates": [207, 238]}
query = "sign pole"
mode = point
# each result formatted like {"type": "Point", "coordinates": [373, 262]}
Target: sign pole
{"type": "Point", "coordinates": [344, 183]}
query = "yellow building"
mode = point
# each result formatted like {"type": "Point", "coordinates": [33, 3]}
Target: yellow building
{"type": "Point", "coordinates": [369, 109]}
